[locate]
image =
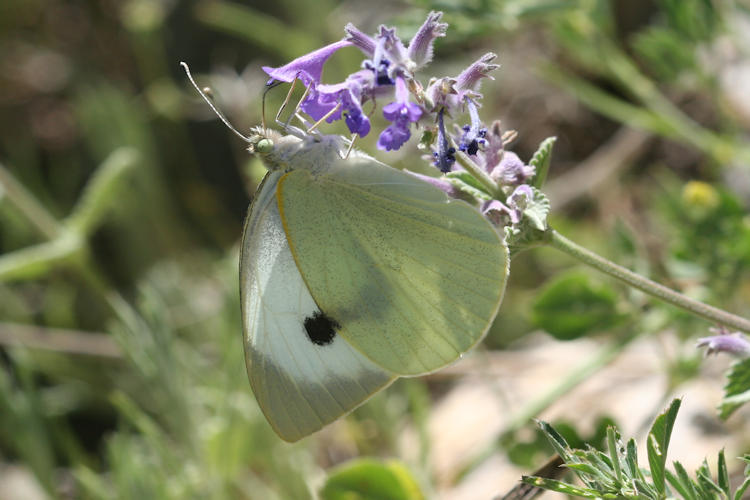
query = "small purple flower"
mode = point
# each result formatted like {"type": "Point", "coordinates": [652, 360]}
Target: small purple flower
{"type": "Point", "coordinates": [498, 213]}
{"type": "Point", "coordinates": [518, 201]}
{"type": "Point", "coordinates": [734, 343]}
{"type": "Point", "coordinates": [470, 78]}
{"type": "Point", "coordinates": [511, 171]}
{"type": "Point", "coordinates": [445, 156]}
{"type": "Point", "coordinates": [307, 68]}
{"type": "Point", "coordinates": [439, 93]}
{"type": "Point", "coordinates": [473, 134]}
{"type": "Point", "coordinates": [347, 95]}
{"type": "Point", "coordinates": [420, 48]}
{"type": "Point", "coordinates": [401, 113]}
{"type": "Point", "coordinates": [493, 150]}
{"type": "Point", "coordinates": [363, 42]}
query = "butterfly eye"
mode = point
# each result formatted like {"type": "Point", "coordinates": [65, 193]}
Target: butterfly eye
{"type": "Point", "coordinates": [264, 146]}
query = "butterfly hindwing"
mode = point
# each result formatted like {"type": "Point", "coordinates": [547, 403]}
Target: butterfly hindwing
{"type": "Point", "coordinates": [303, 373]}
{"type": "Point", "coordinates": [413, 278]}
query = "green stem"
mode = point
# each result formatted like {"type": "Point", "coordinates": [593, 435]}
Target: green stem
{"type": "Point", "coordinates": [28, 205]}
{"type": "Point", "coordinates": [643, 284]}
{"type": "Point", "coordinates": [479, 174]}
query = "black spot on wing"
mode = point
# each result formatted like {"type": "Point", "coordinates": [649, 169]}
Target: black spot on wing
{"type": "Point", "coordinates": [321, 328]}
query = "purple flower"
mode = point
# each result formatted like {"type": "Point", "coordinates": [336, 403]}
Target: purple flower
{"type": "Point", "coordinates": [439, 93]}
{"type": "Point", "coordinates": [445, 156]}
{"type": "Point", "coordinates": [451, 93]}
{"type": "Point", "coordinates": [420, 48]}
{"type": "Point", "coordinates": [497, 213]}
{"type": "Point", "coordinates": [346, 96]}
{"type": "Point", "coordinates": [401, 113]}
{"type": "Point", "coordinates": [470, 78]}
{"type": "Point", "coordinates": [474, 133]}
{"type": "Point", "coordinates": [518, 201]}
{"type": "Point", "coordinates": [388, 56]}
{"type": "Point", "coordinates": [732, 343]}
{"type": "Point", "coordinates": [307, 68]}
{"type": "Point", "coordinates": [511, 171]}
{"type": "Point", "coordinates": [493, 150]}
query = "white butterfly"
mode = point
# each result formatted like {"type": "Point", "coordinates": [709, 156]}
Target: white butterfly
{"type": "Point", "coordinates": [353, 273]}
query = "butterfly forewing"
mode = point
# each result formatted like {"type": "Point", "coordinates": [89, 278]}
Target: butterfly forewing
{"type": "Point", "coordinates": [413, 278]}
{"type": "Point", "coordinates": [304, 375]}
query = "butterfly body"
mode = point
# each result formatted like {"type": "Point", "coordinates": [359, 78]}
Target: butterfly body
{"type": "Point", "coordinates": [353, 273]}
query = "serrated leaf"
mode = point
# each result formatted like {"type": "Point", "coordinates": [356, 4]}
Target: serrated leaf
{"type": "Point", "coordinates": [737, 388]}
{"type": "Point", "coordinates": [658, 443]}
{"type": "Point", "coordinates": [559, 486]}
{"type": "Point", "coordinates": [368, 479]}
{"type": "Point", "coordinates": [571, 306]}
{"type": "Point", "coordinates": [541, 161]}
{"type": "Point", "coordinates": [536, 210]}
{"type": "Point", "coordinates": [467, 183]}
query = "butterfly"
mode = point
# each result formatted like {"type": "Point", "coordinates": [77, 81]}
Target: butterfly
{"type": "Point", "coordinates": [352, 274]}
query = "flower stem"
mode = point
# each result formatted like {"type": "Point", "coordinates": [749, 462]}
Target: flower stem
{"type": "Point", "coordinates": [652, 288]}
{"type": "Point", "coordinates": [480, 175]}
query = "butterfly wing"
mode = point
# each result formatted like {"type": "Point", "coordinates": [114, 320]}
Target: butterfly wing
{"type": "Point", "coordinates": [300, 385]}
{"type": "Point", "coordinates": [414, 278]}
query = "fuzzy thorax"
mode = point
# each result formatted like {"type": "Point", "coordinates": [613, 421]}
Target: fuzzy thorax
{"type": "Point", "coordinates": [292, 152]}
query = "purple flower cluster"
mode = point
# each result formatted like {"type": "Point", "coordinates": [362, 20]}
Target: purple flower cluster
{"type": "Point", "coordinates": [389, 71]}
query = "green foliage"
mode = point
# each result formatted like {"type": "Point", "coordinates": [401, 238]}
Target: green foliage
{"type": "Point", "coordinates": [367, 479]}
{"type": "Point", "coordinates": [615, 473]}
{"type": "Point", "coordinates": [541, 161]}
{"type": "Point", "coordinates": [468, 184]}
{"type": "Point", "coordinates": [737, 388]}
{"type": "Point", "coordinates": [529, 232]}
{"type": "Point", "coordinates": [572, 306]}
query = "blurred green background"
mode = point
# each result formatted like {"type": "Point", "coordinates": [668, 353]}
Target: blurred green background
{"type": "Point", "coordinates": [122, 200]}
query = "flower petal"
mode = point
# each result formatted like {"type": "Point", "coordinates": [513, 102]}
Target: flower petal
{"type": "Point", "coordinates": [420, 48]}
{"type": "Point", "coordinates": [307, 68]}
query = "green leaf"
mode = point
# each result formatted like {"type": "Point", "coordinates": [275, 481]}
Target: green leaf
{"type": "Point", "coordinates": [541, 161]}
{"type": "Point", "coordinates": [658, 443]}
{"type": "Point", "coordinates": [684, 479]}
{"type": "Point", "coordinates": [559, 486]}
{"type": "Point", "coordinates": [556, 440]}
{"type": "Point", "coordinates": [368, 479]}
{"type": "Point", "coordinates": [706, 483]}
{"type": "Point", "coordinates": [675, 482]}
{"type": "Point", "coordinates": [536, 211]}
{"type": "Point", "coordinates": [738, 495]}
{"type": "Point", "coordinates": [467, 183]}
{"type": "Point", "coordinates": [737, 388]}
{"type": "Point", "coordinates": [723, 474]}
{"type": "Point", "coordinates": [571, 306]}
{"type": "Point", "coordinates": [613, 446]}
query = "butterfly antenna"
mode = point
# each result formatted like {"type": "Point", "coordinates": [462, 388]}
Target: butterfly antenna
{"type": "Point", "coordinates": [211, 104]}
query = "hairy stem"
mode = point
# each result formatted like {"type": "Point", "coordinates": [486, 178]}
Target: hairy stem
{"type": "Point", "coordinates": [652, 288]}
